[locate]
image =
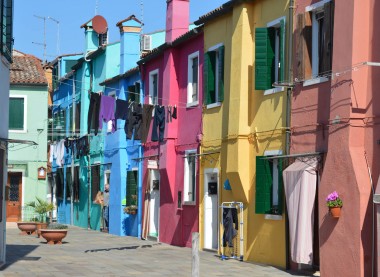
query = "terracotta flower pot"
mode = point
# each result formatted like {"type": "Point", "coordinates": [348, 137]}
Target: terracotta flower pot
{"type": "Point", "coordinates": [54, 236]}
{"type": "Point", "coordinates": [335, 211]}
{"type": "Point", "coordinates": [40, 225]}
{"type": "Point", "coordinates": [27, 228]}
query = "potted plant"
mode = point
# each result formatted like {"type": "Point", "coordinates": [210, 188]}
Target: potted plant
{"type": "Point", "coordinates": [42, 208]}
{"type": "Point", "coordinates": [334, 203]}
{"type": "Point", "coordinates": [54, 233]}
{"type": "Point", "coordinates": [131, 209]}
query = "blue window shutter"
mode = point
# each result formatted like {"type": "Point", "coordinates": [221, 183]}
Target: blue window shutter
{"type": "Point", "coordinates": [263, 186]}
{"type": "Point", "coordinates": [264, 58]}
{"type": "Point", "coordinates": [221, 74]}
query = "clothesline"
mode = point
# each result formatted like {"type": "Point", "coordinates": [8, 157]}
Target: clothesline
{"type": "Point", "coordinates": [182, 105]}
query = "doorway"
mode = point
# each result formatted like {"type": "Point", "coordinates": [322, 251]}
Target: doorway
{"type": "Point", "coordinates": [210, 200]}
{"type": "Point", "coordinates": [13, 196]}
{"type": "Point", "coordinates": [154, 203]}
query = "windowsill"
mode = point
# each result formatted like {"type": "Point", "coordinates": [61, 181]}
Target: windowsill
{"type": "Point", "coordinates": [273, 90]}
{"type": "Point", "coordinates": [189, 203]}
{"type": "Point", "coordinates": [273, 217]}
{"type": "Point", "coordinates": [192, 104]}
{"type": "Point", "coordinates": [18, 131]}
{"type": "Point", "coordinates": [214, 105]}
{"type": "Point", "coordinates": [315, 81]}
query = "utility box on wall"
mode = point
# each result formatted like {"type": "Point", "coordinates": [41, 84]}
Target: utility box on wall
{"type": "Point", "coordinates": [212, 188]}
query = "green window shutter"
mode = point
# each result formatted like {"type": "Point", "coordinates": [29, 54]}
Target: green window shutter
{"type": "Point", "coordinates": [264, 58]}
{"type": "Point", "coordinates": [16, 113]}
{"type": "Point", "coordinates": [282, 50]}
{"type": "Point", "coordinates": [131, 188]}
{"type": "Point", "coordinates": [206, 61]}
{"type": "Point", "coordinates": [263, 186]}
{"type": "Point", "coordinates": [211, 77]}
{"type": "Point", "coordinates": [221, 74]}
{"type": "Point", "coordinates": [280, 187]}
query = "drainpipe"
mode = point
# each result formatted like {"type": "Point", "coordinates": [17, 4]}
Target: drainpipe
{"type": "Point", "coordinates": [89, 161]}
{"type": "Point", "coordinates": [288, 112]}
{"type": "Point", "coordinates": [72, 158]}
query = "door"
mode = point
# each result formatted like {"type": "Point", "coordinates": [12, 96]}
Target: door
{"type": "Point", "coordinates": [154, 203]}
{"type": "Point", "coordinates": [13, 196]}
{"type": "Point", "coordinates": [211, 185]}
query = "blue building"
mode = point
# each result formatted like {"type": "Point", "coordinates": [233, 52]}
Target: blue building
{"type": "Point", "coordinates": [107, 70]}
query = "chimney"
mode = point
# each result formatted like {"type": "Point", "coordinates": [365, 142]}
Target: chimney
{"type": "Point", "coordinates": [130, 29]}
{"type": "Point", "coordinates": [95, 32]}
{"type": "Point", "coordinates": [177, 18]}
{"type": "Point", "coordinates": [91, 36]}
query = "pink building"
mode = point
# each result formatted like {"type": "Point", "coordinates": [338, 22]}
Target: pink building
{"type": "Point", "coordinates": [334, 112]}
{"type": "Point", "coordinates": [172, 81]}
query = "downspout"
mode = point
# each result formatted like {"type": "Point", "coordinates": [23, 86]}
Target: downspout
{"type": "Point", "coordinates": [89, 159]}
{"type": "Point", "coordinates": [72, 158]}
{"type": "Point", "coordinates": [288, 112]}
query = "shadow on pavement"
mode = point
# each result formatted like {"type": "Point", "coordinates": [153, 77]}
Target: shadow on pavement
{"type": "Point", "coordinates": [19, 252]}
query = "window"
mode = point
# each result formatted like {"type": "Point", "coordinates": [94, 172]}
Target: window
{"type": "Point", "coordinates": [17, 113]}
{"type": "Point", "coordinates": [153, 87]}
{"type": "Point", "coordinates": [76, 183]}
{"type": "Point", "coordinates": [269, 54]}
{"type": "Point", "coordinates": [269, 186]}
{"type": "Point", "coordinates": [190, 177]}
{"type": "Point", "coordinates": [59, 183]}
{"type": "Point", "coordinates": [103, 39]}
{"type": "Point", "coordinates": [192, 79]}
{"type": "Point", "coordinates": [315, 41]}
{"type": "Point", "coordinates": [134, 92]}
{"type": "Point", "coordinates": [214, 75]}
{"type": "Point", "coordinates": [77, 117]}
{"type": "Point", "coordinates": [7, 29]}
{"type": "Point", "coordinates": [69, 182]}
{"type": "Point", "coordinates": [95, 181]}
{"type": "Point", "coordinates": [132, 191]}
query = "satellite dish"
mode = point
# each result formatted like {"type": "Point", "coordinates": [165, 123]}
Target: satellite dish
{"type": "Point", "coordinates": [99, 24]}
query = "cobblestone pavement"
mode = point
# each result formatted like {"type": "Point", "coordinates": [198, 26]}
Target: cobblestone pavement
{"type": "Point", "coordinates": [92, 253]}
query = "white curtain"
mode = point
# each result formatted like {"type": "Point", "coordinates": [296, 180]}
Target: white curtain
{"type": "Point", "coordinates": [300, 183]}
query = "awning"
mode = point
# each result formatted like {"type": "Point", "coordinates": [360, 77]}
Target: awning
{"type": "Point", "coordinates": [312, 154]}
{"type": "Point", "coordinates": [18, 141]}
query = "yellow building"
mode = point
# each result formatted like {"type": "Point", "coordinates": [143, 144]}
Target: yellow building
{"type": "Point", "coordinates": [244, 119]}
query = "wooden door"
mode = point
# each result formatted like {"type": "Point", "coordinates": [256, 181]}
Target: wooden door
{"type": "Point", "coordinates": [13, 196]}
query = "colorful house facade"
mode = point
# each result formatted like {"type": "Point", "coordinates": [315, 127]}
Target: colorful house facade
{"type": "Point", "coordinates": [6, 36]}
{"type": "Point", "coordinates": [251, 116]}
{"type": "Point", "coordinates": [27, 122]}
{"type": "Point", "coordinates": [172, 80]}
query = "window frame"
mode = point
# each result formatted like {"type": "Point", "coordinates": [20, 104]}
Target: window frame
{"type": "Point", "coordinates": [25, 122]}
{"type": "Point", "coordinates": [190, 79]}
{"type": "Point", "coordinates": [316, 45]}
{"type": "Point", "coordinates": [218, 102]}
{"type": "Point", "coordinates": [275, 186]}
{"type": "Point", "coordinates": [277, 53]}
{"type": "Point", "coordinates": [6, 38]}
{"type": "Point", "coordinates": [151, 86]}
{"type": "Point", "coordinates": [187, 179]}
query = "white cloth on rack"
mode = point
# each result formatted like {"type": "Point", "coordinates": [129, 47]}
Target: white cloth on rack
{"type": "Point", "coordinates": [52, 149]}
{"type": "Point", "coordinates": [300, 183]}
{"type": "Point", "coordinates": [60, 153]}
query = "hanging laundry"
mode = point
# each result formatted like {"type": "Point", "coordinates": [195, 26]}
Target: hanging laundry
{"type": "Point", "coordinates": [60, 153]}
{"type": "Point", "coordinates": [121, 109]}
{"type": "Point", "coordinates": [169, 114]}
{"type": "Point", "coordinates": [51, 152]}
{"type": "Point", "coordinates": [146, 119]}
{"type": "Point", "coordinates": [93, 109]}
{"type": "Point", "coordinates": [158, 123]}
{"type": "Point", "coordinates": [229, 219]}
{"type": "Point", "coordinates": [134, 121]}
{"type": "Point", "coordinates": [107, 111]}
{"type": "Point", "coordinates": [82, 146]}
{"type": "Point", "coordinates": [174, 114]}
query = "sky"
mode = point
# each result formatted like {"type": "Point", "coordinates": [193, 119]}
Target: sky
{"type": "Point", "coordinates": [62, 20]}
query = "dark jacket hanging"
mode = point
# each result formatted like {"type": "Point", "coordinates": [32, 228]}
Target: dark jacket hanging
{"type": "Point", "coordinates": [93, 109]}
{"type": "Point", "coordinates": [228, 224]}
{"type": "Point", "coordinates": [158, 128]}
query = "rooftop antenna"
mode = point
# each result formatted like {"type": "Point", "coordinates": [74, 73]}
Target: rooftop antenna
{"type": "Point", "coordinates": [44, 43]}
{"type": "Point", "coordinates": [142, 15]}
{"type": "Point", "coordinates": [58, 42]}
{"type": "Point", "coordinates": [96, 7]}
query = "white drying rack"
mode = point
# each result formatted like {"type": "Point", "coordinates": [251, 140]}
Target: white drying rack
{"type": "Point", "coordinates": [239, 207]}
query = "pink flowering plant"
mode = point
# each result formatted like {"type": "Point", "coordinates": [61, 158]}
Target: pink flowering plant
{"type": "Point", "coordinates": [333, 200]}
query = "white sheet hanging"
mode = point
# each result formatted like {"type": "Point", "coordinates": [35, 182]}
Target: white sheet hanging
{"type": "Point", "coordinates": [300, 183]}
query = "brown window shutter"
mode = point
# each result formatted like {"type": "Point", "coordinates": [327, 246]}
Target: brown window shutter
{"type": "Point", "coordinates": [307, 47]}
{"type": "Point", "coordinates": [299, 47]}
{"type": "Point", "coordinates": [328, 43]}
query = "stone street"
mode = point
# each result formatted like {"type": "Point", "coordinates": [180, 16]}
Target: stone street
{"type": "Point", "coordinates": [92, 253]}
